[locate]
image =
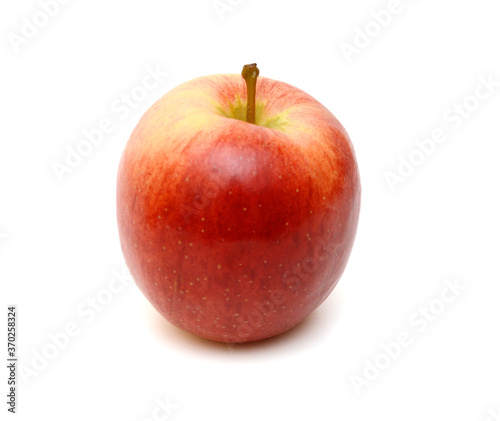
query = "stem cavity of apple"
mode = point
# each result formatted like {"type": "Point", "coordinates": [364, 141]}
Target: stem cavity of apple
{"type": "Point", "coordinates": [250, 73]}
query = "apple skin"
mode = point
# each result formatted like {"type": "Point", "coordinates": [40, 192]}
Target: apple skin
{"type": "Point", "coordinates": [237, 231]}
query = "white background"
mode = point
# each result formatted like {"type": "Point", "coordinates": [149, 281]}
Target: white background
{"type": "Point", "coordinates": [59, 242]}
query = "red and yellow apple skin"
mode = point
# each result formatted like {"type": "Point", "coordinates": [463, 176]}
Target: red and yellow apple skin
{"type": "Point", "coordinates": [237, 231]}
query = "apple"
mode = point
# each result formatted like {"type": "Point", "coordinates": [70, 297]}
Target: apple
{"type": "Point", "coordinates": [237, 203]}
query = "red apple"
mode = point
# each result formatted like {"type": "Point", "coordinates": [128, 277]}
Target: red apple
{"type": "Point", "coordinates": [236, 231]}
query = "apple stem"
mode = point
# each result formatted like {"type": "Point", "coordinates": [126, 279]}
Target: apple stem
{"type": "Point", "coordinates": [250, 73]}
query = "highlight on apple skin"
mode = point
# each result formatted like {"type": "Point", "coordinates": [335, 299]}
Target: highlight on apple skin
{"type": "Point", "coordinates": [233, 230]}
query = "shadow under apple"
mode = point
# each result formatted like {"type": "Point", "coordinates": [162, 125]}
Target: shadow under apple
{"type": "Point", "coordinates": [313, 330]}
